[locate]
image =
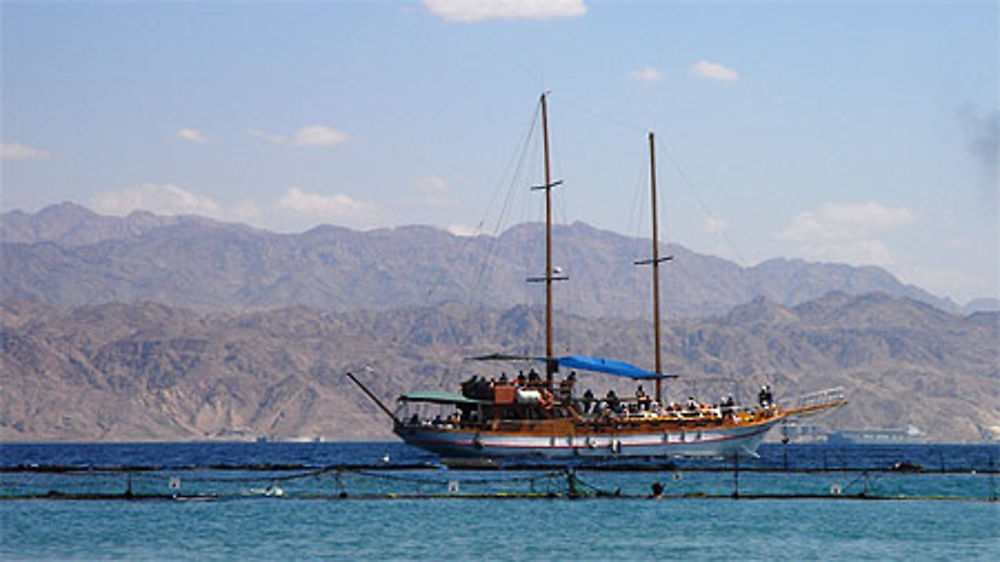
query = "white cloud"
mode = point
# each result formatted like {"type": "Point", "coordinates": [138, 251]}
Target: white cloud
{"type": "Point", "coordinates": [431, 185]}
{"type": "Point", "coordinates": [479, 10]}
{"type": "Point", "coordinates": [246, 212]}
{"type": "Point", "coordinates": [714, 225]}
{"type": "Point", "coordinates": [313, 135]}
{"type": "Point", "coordinates": [257, 133]}
{"type": "Point", "coordinates": [647, 74]}
{"type": "Point", "coordinates": [464, 230]}
{"type": "Point", "coordinates": [191, 134]}
{"type": "Point", "coordinates": [949, 281]}
{"type": "Point", "coordinates": [319, 135]}
{"type": "Point", "coordinates": [846, 233]}
{"type": "Point", "coordinates": [164, 199]}
{"type": "Point", "coordinates": [337, 208]}
{"type": "Point", "coordinates": [714, 71]}
{"type": "Point", "coordinates": [836, 221]}
{"type": "Point", "coordinates": [433, 191]}
{"type": "Point", "coordinates": [17, 151]}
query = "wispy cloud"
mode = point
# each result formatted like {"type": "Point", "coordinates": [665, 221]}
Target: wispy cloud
{"type": "Point", "coordinates": [191, 134]}
{"type": "Point", "coordinates": [17, 151]}
{"type": "Point", "coordinates": [295, 210]}
{"type": "Point", "coordinates": [257, 133]}
{"type": "Point", "coordinates": [164, 199]}
{"type": "Point", "coordinates": [714, 71]}
{"type": "Point", "coordinates": [433, 191]}
{"type": "Point", "coordinates": [846, 232]}
{"type": "Point", "coordinates": [337, 208]}
{"type": "Point", "coordinates": [464, 230]}
{"type": "Point", "coordinates": [714, 225]}
{"type": "Point", "coordinates": [647, 74]}
{"type": "Point", "coordinates": [465, 11]}
{"type": "Point", "coordinates": [948, 281]}
{"type": "Point", "coordinates": [319, 135]}
{"type": "Point", "coordinates": [313, 135]}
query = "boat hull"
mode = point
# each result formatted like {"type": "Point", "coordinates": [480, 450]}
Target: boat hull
{"type": "Point", "coordinates": [731, 441]}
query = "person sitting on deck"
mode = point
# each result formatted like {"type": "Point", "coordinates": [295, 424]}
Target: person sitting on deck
{"type": "Point", "coordinates": [642, 398]}
{"type": "Point", "coordinates": [692, 405]}
{"type": "Point", "coordinates": [612, 401]}
{"type": "Point", "coordinates": [521, 380]}
{"type": "Point", "coordinates": [482, 390]}
{"type": "Point", "coordinates": [726, 407]}
{"type": "Point", "coordinates": [588, 401]}
{"type": "Point", "coordinates": [765, 397]}
{"type": "Point", "coordinates": [533, 378]}
{"type": "Point", "coordinates": [503, 379]}
{"type": "Point", "coordinates": [566, 388]}
{"type": "Point", "coordinates": [469, 386]}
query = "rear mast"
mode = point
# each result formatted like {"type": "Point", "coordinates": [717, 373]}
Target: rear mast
{"type": "Point", "coordinates": [655, 262]}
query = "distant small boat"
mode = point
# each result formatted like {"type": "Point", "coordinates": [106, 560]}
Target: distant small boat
{"type": "Point", "coordinates": [532, 416]}
{"type": "Point", "coordinates": [911, 434]}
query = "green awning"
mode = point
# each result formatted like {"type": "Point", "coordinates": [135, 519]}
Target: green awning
{"type": "Point", "coordinates": [438, 397]}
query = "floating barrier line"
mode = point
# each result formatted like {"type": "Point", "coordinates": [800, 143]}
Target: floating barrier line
{"type": "Point", "coordinates": [484, 496]}
{"type": "Point", "coordinates": [547, 467]}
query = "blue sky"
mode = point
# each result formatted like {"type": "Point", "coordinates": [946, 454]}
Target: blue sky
{"type": "Point", "coordinates": [863, 133]}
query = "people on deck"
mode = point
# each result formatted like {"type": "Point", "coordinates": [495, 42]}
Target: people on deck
{"type": "Point", "coordinates": [611, 399]}
{"type": "Point", "coordinates": [642, 399]}
{"type": "Point", "coordinates": [692, 404]}
{"type": "Point", "coordinates": [469, 386]}
{"type": "Point", "coordinates": [765, 397]}
{"type": "Point", "coordinates": [566, 388]}
{"type": "Point", "coordinates": [588, 401]}
{"type": "Point", "coordinates": [726, 407]}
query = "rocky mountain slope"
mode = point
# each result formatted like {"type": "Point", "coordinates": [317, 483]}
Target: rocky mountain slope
{"type": "Point", "coordinates": [69, 256]}
{"type": "Point", "coordinates": [156, 372]}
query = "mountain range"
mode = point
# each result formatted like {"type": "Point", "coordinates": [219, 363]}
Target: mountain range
{"type": "Point", "coordinates": [128, 372]}
{"type": "Point", "coordinates": [68, 255]}
{"type": "Point", "coordinates": [173, 328]}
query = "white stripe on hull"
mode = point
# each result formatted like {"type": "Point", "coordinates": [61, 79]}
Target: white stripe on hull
{"type": "Point", "coordinates": [696, 443]}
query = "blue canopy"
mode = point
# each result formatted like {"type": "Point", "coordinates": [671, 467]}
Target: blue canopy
{"type": "Point", "coordinates": [608, 366]}
{"type": "Point", "coordinates": [584, 363]}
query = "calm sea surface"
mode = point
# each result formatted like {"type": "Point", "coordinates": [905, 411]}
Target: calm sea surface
{"type": "Point", "coordinates": [234, 502]}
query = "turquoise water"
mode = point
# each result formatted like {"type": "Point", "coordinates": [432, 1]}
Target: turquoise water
{"type": "Point", "coordinates": [312, 521]}
{"type": "Point", "coordinates": [596, 529]}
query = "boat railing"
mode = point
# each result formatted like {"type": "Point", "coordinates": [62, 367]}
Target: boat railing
{"type": "Point", "coordinates": [820, 400]}
{"type": "Point", "coordinates": [825, 396]}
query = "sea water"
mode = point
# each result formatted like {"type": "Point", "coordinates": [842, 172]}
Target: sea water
{"type": "Point", "coordinates": [697, 521]}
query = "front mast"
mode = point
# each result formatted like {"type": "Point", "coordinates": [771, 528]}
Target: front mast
{"type": "Point", "coordinates": [549, 351]}
{"type": "Point", "coordinates": [550, 362]}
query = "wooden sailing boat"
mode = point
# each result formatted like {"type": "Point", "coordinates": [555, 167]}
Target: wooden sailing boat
{"type": "Point", "coordinates": [537, 417]}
